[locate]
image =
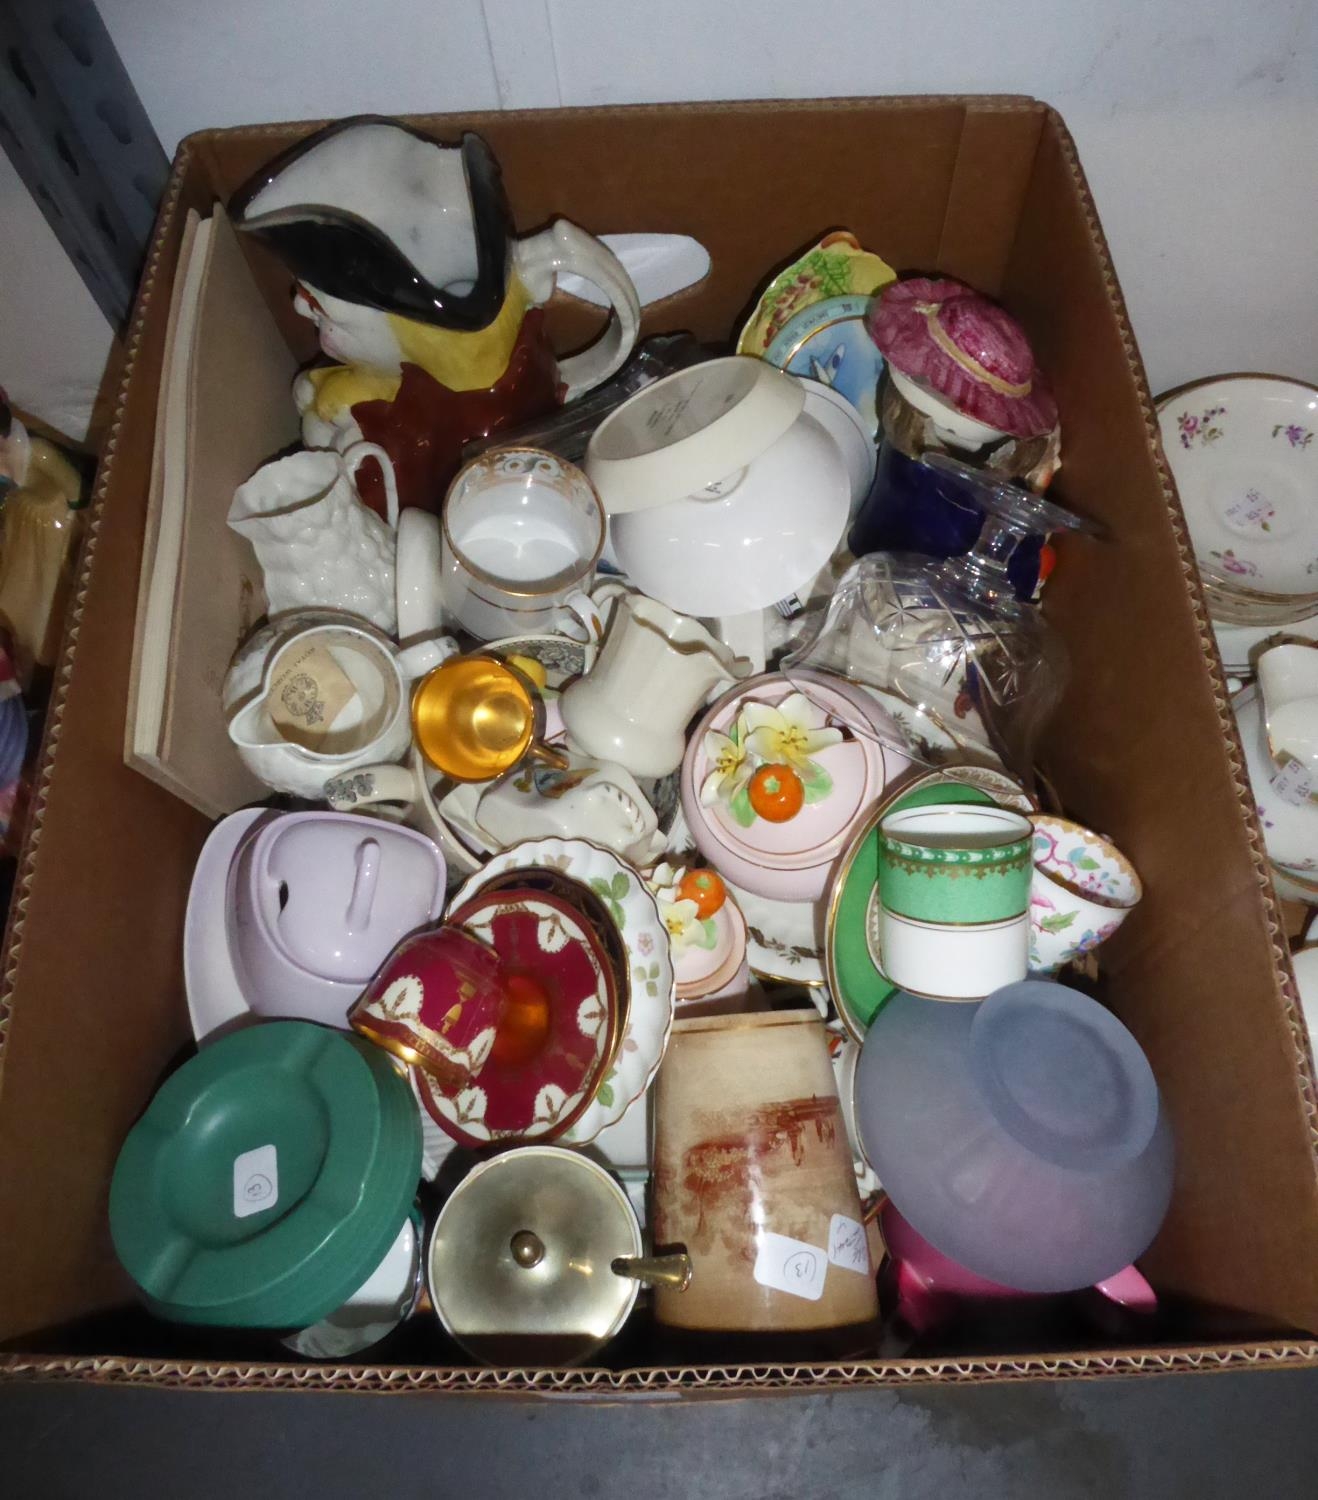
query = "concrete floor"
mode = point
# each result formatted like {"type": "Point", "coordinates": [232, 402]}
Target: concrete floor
{"type": "Point", "coordinates": [1250, 1435]}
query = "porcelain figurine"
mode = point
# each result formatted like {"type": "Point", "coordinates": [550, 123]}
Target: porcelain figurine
{"type": "Point", "coordinates": [316, 542]}
{"type": "Point", "coordinates": [40, 523]}
{"type": "Point", "coordinates": [428, 308]}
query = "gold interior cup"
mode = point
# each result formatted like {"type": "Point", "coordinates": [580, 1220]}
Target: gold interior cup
{"type": "Point", "coordinates": [475, 717]}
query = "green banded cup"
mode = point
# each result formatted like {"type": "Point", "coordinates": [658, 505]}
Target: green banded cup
{"type": "Point", "coordinates": [954, 891]}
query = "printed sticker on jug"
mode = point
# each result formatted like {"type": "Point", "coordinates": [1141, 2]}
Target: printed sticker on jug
{"type": "Point", "coordinates": [848, 1246]}
{"type": "Point", "coordinates": [788, 1265]}
{"type": "Point", "coordinates": [255, 1181]}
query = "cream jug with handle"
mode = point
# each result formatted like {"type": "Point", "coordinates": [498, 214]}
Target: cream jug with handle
{"type": "Point", "coordinates": [319, 693]}
{"type": "Point", "coordinates": [1278, 722]}
{"type": "Point", "coordinates": [653, 672]}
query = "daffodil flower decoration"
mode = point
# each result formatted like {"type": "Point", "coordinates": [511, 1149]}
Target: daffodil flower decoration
{"type": "Point", "coordinates": [788, 734]}
{"type": "Point", "coordinates": [679, 914]}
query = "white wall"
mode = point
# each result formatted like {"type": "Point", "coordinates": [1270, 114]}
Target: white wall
{"type": "Point", "coordinates": [54, 340]}
{"type": "Point", "coordinates": [1196, 121]}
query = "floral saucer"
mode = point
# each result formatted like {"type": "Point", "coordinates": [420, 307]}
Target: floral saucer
{"type": "Point", "coordinates": [558, 1031]}
{"type": "Point", "coordinates": [1244, 453]}
{"type": "Point", "coordinates": [635, 913]}
{"type": "Point", "coordinates": [784, 939]}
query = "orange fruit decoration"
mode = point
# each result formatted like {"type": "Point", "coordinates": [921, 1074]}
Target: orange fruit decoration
{"type": "Point", "coordinates": [705, 888]}
{"type": "Point", "coordinates": [776, 793]}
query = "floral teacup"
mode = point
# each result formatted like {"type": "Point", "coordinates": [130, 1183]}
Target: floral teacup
{"type": "Point", "coordinates": [1082, 891]}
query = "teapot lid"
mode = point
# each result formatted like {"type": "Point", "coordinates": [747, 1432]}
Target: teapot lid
{"type": "Point", "coordinates": [965, 348]}
{"type": "Point", "coordinates": [336, 891]}
{"type": "Point", "coordinates": [524, 1250]}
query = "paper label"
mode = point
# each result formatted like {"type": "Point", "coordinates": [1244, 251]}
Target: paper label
{"type": "Point", "coordinates": [1293, 783]}
{"type": "Point", "coordinates": [255, 1181]}
{"type": "Point", "coordinates": [792, 1266]}
{"type": "Point", "coordinates": [848, 1245]}
{"type": "Point", "coordinates": [307, 693]}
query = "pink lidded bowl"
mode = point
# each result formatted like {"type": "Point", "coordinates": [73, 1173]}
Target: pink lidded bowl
{"type": "Point", "coordinates": [790, 860]}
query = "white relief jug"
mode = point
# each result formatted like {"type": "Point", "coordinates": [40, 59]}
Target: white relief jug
{"type": "Point", "coordinates": [318, 545]}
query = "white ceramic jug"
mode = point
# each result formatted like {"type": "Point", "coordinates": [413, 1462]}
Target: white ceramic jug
{"type": "Point", "coordinates": [284, 666]}
{"type": "Point", "coordinates": [1288, 680]}
{"type": "Point", "coordinates": [654, 670]}
{"type": "Point", "coordinates": [1278, 723]}
{"type": "Point", "coordinates": [317, 544]}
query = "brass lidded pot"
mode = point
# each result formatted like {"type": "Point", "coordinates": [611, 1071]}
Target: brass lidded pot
{"type": "Point", "coordinates": [537, 1258]}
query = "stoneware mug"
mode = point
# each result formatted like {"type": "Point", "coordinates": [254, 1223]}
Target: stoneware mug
{"type": "Point", "coordinates": [522, 532]}
{"type": "Point", "coordinates": [753, 1174]}
{"type": "Point", "coordinates": [954, 898]}
{"type": "Point", "coordinates": [1083, 889]}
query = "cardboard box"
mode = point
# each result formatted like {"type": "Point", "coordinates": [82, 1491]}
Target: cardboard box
{"type": "Point", "coordinates": [988, 189]}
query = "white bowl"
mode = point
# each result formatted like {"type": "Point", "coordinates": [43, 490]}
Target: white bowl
{"type": "Point", "coordinates": [743, 549]}
{"type": "Point", "coordinates": [847, 428]}
{"type": "Point", "coordinates": [718, 506]}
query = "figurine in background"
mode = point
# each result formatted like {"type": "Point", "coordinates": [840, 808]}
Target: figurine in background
{"type": "Point", "coordinates": [428, 308]}
{"type": "Point", "coordinates": [40, 498]}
